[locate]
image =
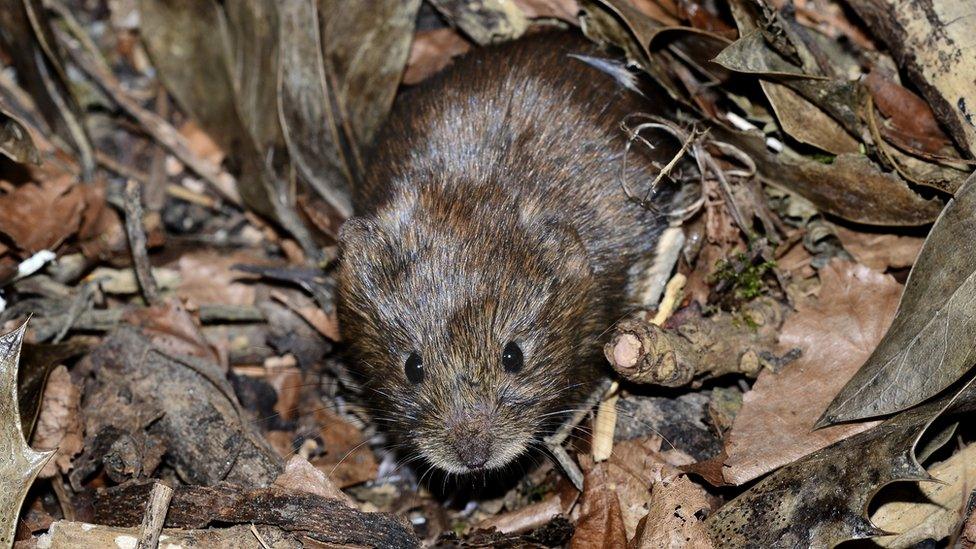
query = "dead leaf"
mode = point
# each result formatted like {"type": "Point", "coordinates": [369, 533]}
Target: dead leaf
{"type": "Point", "coordinates": [431, 51]}
{"type": "Point", "coordinates": [201, 143]}
{"type": "Point", "coordinates": [300, 476]}
{"type": "Point", "coordinates": [15, 140]}
{"type": "Point", "coordinates": [171, 328]}
{"type": "Point", "coordinates": [850, 186]}
{"type": "Point", "coordinates": [820, 500]}
{"type": "Point", "coordinates": [805, 122]}
{"type": "Point", "coordinates": [675, 517]}
{"type": "Point", "coordinates": [324, 323]}
{"type": "Point", "coordinates": [559, 9]}
{"type": "Point", "coordinates": [19, 464]}
{"type": "Point", "coordinates": [205, 277]}
{"type": "Point", "coordinates": [836, 332]}
{"type": "Point", "coordinates": [913, 123]}
{"type": "Point", "coordinates": [880, 251]}
{"type": "Point", "coordinates": [934, 510]}
{"type": "Point", "coordinates": [601, 523]}
{"type": "Point", "coordinates": [925, 38]}
{"type": "Point", "coordinates": [41, 216]}
{"type": "Point", "coordinates": [927, 347]}
{"type": "Point", "coordinates": [58, 425]}
{"type": "Point", "coordinates": [347, 460]}
{"type": "Point", "coordinates": [633, 467]}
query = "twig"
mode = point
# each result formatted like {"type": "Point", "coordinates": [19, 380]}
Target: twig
{"type": "Point", "coordinates": [554, 441]}
{"type": "Point", "coordinates": [257, 535]}
{"type": "Point", "coordinates": [137, 243]}
{"type": "Point", "coordinates": [152, 521]}
{"type": "Point", "coordinates": [159, 129]}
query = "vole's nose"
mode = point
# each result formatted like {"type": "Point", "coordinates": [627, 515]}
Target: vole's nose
{"type": "Point", "coordinates": [474, 452]}
{"type": "Point", "coordinates": [472, 438]}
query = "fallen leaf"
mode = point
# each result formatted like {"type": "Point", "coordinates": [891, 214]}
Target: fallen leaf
{"type": "Point", "coordinates": [836, 332]}
{"type": "Point", "coordinates": [300, 476]}
{"type": "Point", "coordinates": [201, 143]}
{"type": "Point", "coordinates": [674, 517]}
{"type": "Point", "coordinates": [559, 9]}
{"type": "Point", "coordinates": [601, 523]}
{"type": "Point", "coordinates": [633, 467]}
{"type": "Point", "coordinates": [820, 499]}
{"type": "Point", "coordinates": [927, 347]}
{"type": "Point", "coordinates": [431, 51]}
{"type": "Point", "coordinates": [931, 510]}
{"type": "Point", "coordinates": [924, 40]}
{"type": "Point", "coordinates": [880, 251]}
{"type": "Point", "coordinates": [347, 460]}
{"type": "Point", "coordinates": [171, 328]}
{"type": "Point", "coordinates": [19, 464]}
{"type": "Point", "coordinates": [15, 140]}
{"type": "Point", "coordinates": [912, 122]}
{"type": "Point", "coordinates": [41, 216]}
{"type": "Point", "coordinates": [58, 425]}
{"type": "Point", "coordinates": [205, 277]}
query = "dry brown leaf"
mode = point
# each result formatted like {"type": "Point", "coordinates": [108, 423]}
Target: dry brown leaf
{"type": "Point", "coordinates": [324, 323]}
{"type": "Point", "coordinates": [633, 467]}
{"type": "Point", "coordinates": [431, 51]}
{"type": "Point", "coordinates": [880, 251]}
{"type": "Point", "coordinates": [302, 476]}
{"type": "Point", "coordinates": [675, 516]}
{"type": "Point", "coordinates": [911, 121]}
{"type": "Point", "coordinates": [527, 518]}
{"type": "Point", "coordinates": [206, 278]}
{"type": "Point", "coordinates": [201, 143]}
{"type": "Point", "coordinates": [41, 217]}
{"type": "Point", "coordinates": [171, 329]}
{"type": "Point", "coordinates": [347, 460]}
{"type": "Point", "coordinates": [559, 9]}
{"type": "Point", "coordinates": [837, 332]}
{"type": "Point", "coordinates": [287, 383]}
{"type": "Point", "coordinates": [58, 426]}
{"type": "Point", "coordinates": [601, 523]}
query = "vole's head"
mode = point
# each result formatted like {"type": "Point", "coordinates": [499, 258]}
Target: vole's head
{"type": "Point", "coordinates": [472, 336]}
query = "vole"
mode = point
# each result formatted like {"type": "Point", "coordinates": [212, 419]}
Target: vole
{"type": "Point", "coordinates": [493, 249]}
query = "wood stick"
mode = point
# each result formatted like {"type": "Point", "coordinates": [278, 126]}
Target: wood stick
{"type": "Point", "coordinates": [155, 516]}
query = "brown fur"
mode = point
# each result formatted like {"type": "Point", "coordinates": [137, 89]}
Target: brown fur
{"type": "Point", "coordinates": [492, 212]}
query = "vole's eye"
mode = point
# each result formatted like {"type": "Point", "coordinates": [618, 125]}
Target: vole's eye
{"type": "Point", "coordinates": [414, 368]}
{"type": "Point", "coordinates": [512, 357]}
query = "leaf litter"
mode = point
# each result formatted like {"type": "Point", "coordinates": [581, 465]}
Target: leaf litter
{"type": "Point", "coordinates": [172, 179]}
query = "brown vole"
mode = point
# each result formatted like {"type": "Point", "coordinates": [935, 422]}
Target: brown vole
{"type": "Point", "coordinates": [492, 250]}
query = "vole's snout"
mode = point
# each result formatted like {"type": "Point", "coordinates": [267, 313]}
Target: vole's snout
{"type": "Point", "coordinates": [471, 438]}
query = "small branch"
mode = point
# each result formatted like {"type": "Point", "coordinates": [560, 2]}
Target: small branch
{"type": "Point", "coordinates": [700, 348]}
{"type": "Point", "coordinates": [137, 243]}
{"type": "Point", "coordinates": [155, 516]}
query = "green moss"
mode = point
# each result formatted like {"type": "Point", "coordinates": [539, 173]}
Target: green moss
{"type": "Point", "coordinates": [747, 284]}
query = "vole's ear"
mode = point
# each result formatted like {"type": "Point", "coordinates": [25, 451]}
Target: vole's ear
{"type": "Point", "coordinates": [358, 236]}
{"type": "Point", "coordinates": [563, 249]}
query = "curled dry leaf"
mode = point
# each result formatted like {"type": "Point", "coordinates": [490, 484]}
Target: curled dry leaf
{"type": "Point", "coordinates": [926, 38]}
{"type": "Point", "coordinates": [205, 277]}
{"type": "Point", "coordinates": [820, 499]}
{"type": "Point", "coordinates": [15, 140]}
{"type": "Point", "coordinates": [19, 463]}
{"type": "Point", "coordinates": [300, 476]}
{"type": "Point", "coordinates": [58, 426]}
{"type": "Point", "coordinates": [431, 51]}
{"type": "Point", "coordinates": [836, 332]}
{"type": "Point", "coordinates": [41, 216]}
{"type": "Point", "coordinates": [601, 523]}
{"type": "Point", "coordinates": [675, 517]}
{"type": "Point", "coordinates": [880, 251]}
{"type": "Point", "coordinates": [347, 460]}
{"type": "Point", "coordinates": [934, 515]}
{"type": "Point", "coordinates": [928, 346]}
{"type": "Point", "coordinates": [912, 122]}
{"type": "Point", "coordinates": [559, 9]}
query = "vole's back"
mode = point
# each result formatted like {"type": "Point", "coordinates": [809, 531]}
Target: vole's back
{"type": "Point", "coordinates": [523, 126]}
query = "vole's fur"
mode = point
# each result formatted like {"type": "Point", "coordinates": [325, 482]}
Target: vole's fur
{"type": "Point", "coordinates": [493, 213]}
